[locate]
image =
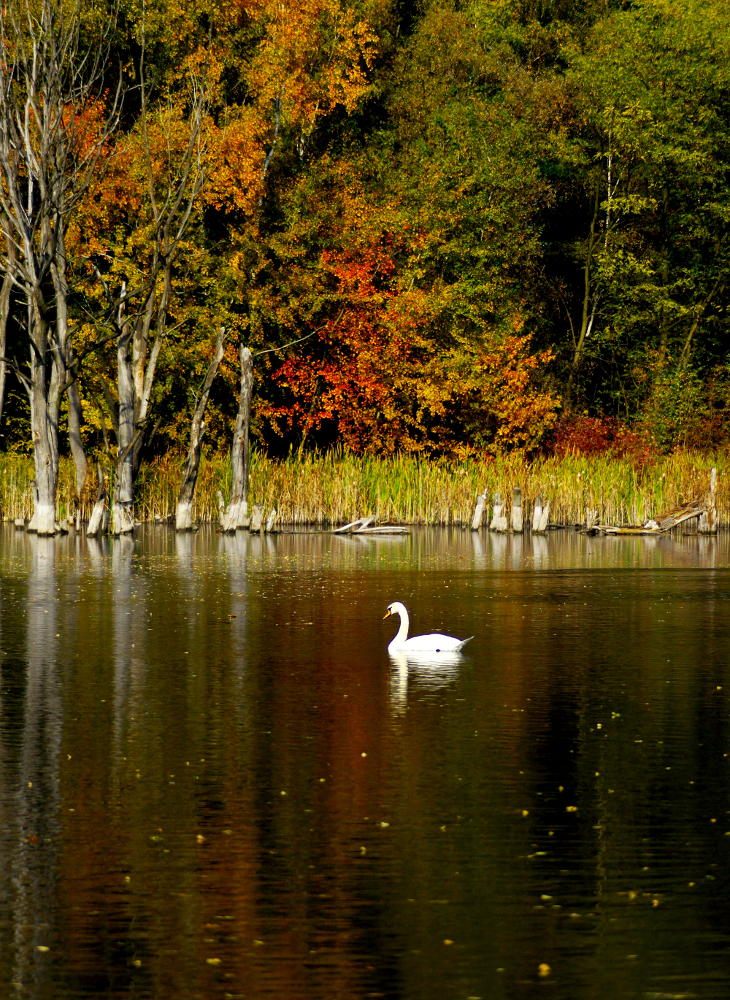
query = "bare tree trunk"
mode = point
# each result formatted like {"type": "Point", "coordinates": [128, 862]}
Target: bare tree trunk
{"type": "Point", "coordinates": [235, 515]}
{"type": "Point", "coordinates": [122, 513]}
{"type": "Point", "coordinates": [51, 72]}
{"type": "Point", "coordinates": [588, 313]}
{"type": "Point", "coordinates": [97, 515]}
{"type": "Point", "coordinates": [44, 427]}
{"type": "Point", "coordinates": [184, 513]}
{"type": "Point", "coordinates": [74, 437]}
{"type": "Point", "coordinates": [5, 305]}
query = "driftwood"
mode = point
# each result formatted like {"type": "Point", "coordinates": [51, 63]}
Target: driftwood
{"type": "Point", "coordinates": [358, 525]}
{"type": "Point", "coordinates": [362, 527]}
{"type": "Point", "coordinates": [661, 523]}
{"type": "Point", "coordinates": [384, 529]}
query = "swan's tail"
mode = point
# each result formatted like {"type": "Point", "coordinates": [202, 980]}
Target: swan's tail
{"type": "Point", "coordinates": [463, 643]}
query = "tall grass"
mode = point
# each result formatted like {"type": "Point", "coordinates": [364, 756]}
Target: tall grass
{"type": "Point", "coordinates": [338, 486]}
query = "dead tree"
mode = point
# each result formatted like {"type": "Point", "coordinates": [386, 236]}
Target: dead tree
{"type": "Point", "coordinates": [184, 513]}
{"type": "Point", "coordinates": [7, 287]}
{"type": "Point", "coordinates": [237, 510]}
{"type": "Point", "coordinates": [51, 76]}
{"type": "Point", "coordinates": [172, 194]}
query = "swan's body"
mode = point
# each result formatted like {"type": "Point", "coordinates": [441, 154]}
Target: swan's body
{"type": "Point", "coordinates": [433, 643]}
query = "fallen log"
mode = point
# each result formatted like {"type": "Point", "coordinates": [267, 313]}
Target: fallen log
{"type": "Point", "coordinates": [359, 524]}
{"type": "Point", "coordinates": [384, 529]}
{"type": "Point", "coordinates": [660, 524]}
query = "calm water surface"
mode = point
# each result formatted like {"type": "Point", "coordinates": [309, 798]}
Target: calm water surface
{"type": "Point", "coordinates": [215, 784]}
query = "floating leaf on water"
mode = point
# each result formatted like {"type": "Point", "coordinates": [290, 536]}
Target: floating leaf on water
{"type": "Point", "coordinates": [543, 969]}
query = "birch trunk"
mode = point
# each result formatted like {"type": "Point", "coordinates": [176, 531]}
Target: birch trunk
{"type": "Point", "coordinates": [122, 514]}
{"type": "Point", "coordinates": [97, 515]}
{"type": "Point", "coordinates": [235, 515]}
{"type": "Point", "coordinates": [74, 437]}
{"type": "Point", "coordinates": [47, 78]}
{"type": "Point", "coordinates": [184, 513]}
{"type": "Point", "coordinates": [44, 413]}
{"type": "Point", "coordinates": [5, 305]}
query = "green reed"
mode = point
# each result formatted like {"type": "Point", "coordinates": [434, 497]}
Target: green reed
{"type": "Point", "coordinates": [335, 487]}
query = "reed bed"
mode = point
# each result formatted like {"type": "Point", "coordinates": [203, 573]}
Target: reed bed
{"type": "Point", "coordinates": [337, 487]}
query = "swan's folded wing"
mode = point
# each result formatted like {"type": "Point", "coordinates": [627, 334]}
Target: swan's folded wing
{"type": "Point", "coordinates": [433, 643]}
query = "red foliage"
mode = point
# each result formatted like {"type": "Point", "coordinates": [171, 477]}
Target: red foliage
{"type": "Point", "coordinates": [602, 436]}
{"type": "Point", "coordinates": [347, 375]}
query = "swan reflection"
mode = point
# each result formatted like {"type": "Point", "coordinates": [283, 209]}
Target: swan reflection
{"type": "Point", "coordinates": [424, 671]}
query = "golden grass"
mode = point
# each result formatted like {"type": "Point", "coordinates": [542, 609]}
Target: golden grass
{"type": "Point", "coordinates": [337, 487]}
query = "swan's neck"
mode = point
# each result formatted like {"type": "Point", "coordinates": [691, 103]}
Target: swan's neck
{"type": "Point", "coordinates": [403, 630]}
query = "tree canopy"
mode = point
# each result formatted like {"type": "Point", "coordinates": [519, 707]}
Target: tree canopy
{"type": "Point", "coordinates": [439, 228]}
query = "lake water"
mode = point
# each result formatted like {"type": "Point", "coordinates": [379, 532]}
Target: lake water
{"type": "Point", "coordinates": [215, 784]}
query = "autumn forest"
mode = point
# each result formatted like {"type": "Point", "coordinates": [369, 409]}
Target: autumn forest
{"type": "Point", "coordinates": [443, 228]}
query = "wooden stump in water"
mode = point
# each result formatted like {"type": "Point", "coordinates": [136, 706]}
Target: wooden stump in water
{"type": "Point", "coordinates": [499, 520]}
{"type": "Point", "coordinates": [236, 516]}
{"type": "Point", "coordinates": [123, 522]}
{"type": "Point", "coordinates": [540, 520]}
{"type": "Point", "coordinates": [517, 510]}
{"type": "Point", "coordinates": [270, 520]}
{"type": "Point", "coordinates": [96, 521]}
{"type": "Point", "coordinates": [476, 521]}
{"type": "Point", "coordinates": [537, 514]}
{"type": "Point", "coordinates": [708, 520]}
{"type": "Point", "coordinates": [257, 516]}
{"type": "Point", "coordinates": [32, 524]}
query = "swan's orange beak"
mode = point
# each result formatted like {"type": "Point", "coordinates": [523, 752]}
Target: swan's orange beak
{"type": "Point", "coordinates": [387, 614]}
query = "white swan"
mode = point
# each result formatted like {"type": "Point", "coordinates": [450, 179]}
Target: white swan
{"type": "Point", "coordinates": [434, 643]}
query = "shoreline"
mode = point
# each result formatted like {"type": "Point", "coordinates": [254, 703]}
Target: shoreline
{"type": "Point", "coordinates": [329, 490]}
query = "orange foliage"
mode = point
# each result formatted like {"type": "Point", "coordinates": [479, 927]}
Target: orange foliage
{"type": "Point", "coordinates": [350, 374]}
{"type": "Point", "coordinates": [377, 379]}
{"type": "Point", "coordinates": [504, 406]}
